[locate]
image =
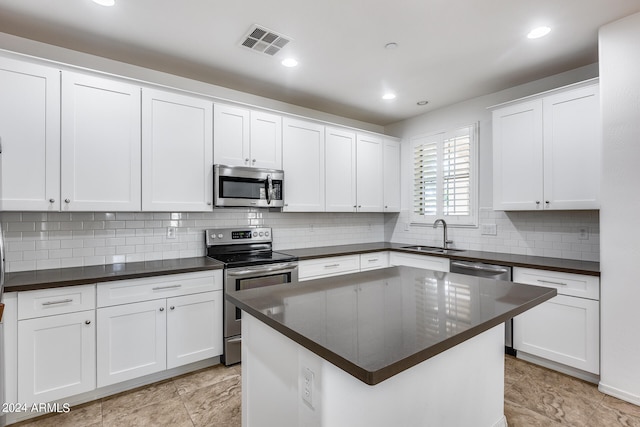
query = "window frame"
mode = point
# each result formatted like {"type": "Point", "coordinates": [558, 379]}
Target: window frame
{"type": "Point", "coordinates": [439, 138]}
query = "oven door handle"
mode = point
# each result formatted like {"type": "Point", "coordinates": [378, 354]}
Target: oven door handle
{"type": "Point", "coordinates": [262, 269]}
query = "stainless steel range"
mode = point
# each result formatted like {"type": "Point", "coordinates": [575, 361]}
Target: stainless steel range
{"type": "Point", "coordinates": [249, 263]}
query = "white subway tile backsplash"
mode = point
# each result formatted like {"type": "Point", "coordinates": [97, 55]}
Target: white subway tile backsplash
{"type": "Point", "coordinates": [40, 240]}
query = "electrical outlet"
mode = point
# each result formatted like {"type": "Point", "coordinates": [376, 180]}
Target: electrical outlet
{"type": "Point", "coordinates": [406, 226]}
{"type": "Point", "coordinates": [307, 386]}
{"type": "Point", "coordinates": [489, 229]}
{"type": "Point", "coordinates": [583, 233]}
{"type": "Point", "coordinates": [171, 232]}
{"type": "Point", "coordinates": [311, 228]}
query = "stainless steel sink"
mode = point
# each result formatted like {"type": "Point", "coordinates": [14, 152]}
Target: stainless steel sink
{"type": "Point", "coordinates": [430, 249]}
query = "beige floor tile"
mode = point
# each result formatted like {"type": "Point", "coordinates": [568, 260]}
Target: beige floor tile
{"type": "Point", "coordinates": [518, 416]}
{"type": "Point", "coordinates": [217, 405]}
{"type": "Point", "coordinates": [612, 412]}
{"type": "Point", "coordinates": [130, 401]}
{"type": "Point", "coordinates": [170, 412]}
{"type": "Point", "coordinates": [204, 378]}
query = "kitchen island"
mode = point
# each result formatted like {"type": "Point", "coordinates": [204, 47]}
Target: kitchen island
{"type": "Point", "coordinates": [398, 346]}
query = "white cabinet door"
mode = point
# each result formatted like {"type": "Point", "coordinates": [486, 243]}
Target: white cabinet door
{"type": "Point", "coordinates": [100, 144]}
{"type": "Point", "coordinates": [564, 329]}
{"type": "Point", "coordinates": [303, 164]}
{"type": "Point", "coordinates": [194, 328]}
{"type": "Point", "coordinates": [266, 140]}
{"type": "Point", "coordinates": [391, 191]}
{"type": "Point", "coordinates": [340, 170]}
{"type": "Point", "coordinates": [517, 157]}
{"type": "Point", "coordinates": [177, 152]}
{"type": "Point", "coordinates": [369, 171]}
{"type": "Point", "coordinates": [231, 135]}
{"type": "Point", "coordinates": [57, 357]}
{"type": "Point", "coordinates": [131, 341]}
{"type": "Point", "coordinates": [29, 136]}
{"type": "Point", "coordinates": [572, 141]}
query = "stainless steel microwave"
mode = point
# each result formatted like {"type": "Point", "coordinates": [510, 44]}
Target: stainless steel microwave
{"type": "Point", "coordinates": [247, 187]}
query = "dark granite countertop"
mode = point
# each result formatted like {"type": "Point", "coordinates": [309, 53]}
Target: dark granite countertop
{"type": "Point", "coordinates": [378, 323]}
{"type": "Point", "coordinates": [57, 277]}
{"type": "Point", "coordinates": [554, 264]}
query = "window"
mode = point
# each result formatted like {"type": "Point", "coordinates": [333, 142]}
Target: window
{"type": "Point", "coordinates": [444, 172]}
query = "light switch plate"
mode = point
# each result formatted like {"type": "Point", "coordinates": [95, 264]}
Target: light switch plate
{"type": "Point", "coordinates": [489, 229]}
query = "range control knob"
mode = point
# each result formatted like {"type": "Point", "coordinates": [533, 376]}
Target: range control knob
{"type": "Point", "coordinates": [266, 234]}
{"type": "Point", "coordinates": [255, 234]}
{"type": "Point", "coordinates": [213, 236]}
{"type": "Point", "coordinates": [220, 236]}
{"type": "Point", "coordinates": [261, 234]}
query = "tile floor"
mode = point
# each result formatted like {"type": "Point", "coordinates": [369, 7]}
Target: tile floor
{"type": "Point", "coordinates": [534, 396]}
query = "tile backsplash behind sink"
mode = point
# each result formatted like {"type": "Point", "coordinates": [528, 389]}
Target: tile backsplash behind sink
{"type": "Point", "coordinates": [42, 240]}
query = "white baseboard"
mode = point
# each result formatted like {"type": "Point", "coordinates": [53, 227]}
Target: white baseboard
{"type": "Point", "coordinates": [620, 394]}
{"type": "Point", "coordinates": [568, 370]}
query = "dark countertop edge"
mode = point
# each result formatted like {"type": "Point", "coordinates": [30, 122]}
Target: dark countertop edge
{"type": "Point", "coordinates": [589, 268]}
{"type": "Point", "coordinates": [378, 376]}
{"type": "Point", "coordinates": [59, 277]}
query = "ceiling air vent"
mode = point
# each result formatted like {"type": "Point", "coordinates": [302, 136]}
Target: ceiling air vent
{"type": "Point", "coordinates": [263, 40]}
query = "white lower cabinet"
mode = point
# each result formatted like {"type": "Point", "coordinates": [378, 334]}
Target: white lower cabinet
{"type": "Point", "coordinates": [169, 326]}
{"type": "Point", "coordinates": [374, 260]}
{"type": "Point", "coordinates": [194, 330]}
{"type": "Point", "coordinates": [420, 261]}
{"type": "Point", "coordinates": [131, 341]}
{"type": "Point", "coordinates": [565, 329]}
{"type": "Point", "coordinates": [56, 343]}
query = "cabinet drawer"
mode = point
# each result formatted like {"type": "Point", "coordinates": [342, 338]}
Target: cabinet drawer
{"type": "Point", "coordinates": [374, 260]}
{"type": "Point", "coordinates": [325, 267]}
{"type": "Point", "coordinates": [576, 285]}
{"type": "Point", "coordinates": [48, 302]}
{"type": "Point", "coordinates": [150, 288]}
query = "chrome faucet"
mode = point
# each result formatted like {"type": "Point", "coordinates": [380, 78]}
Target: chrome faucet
{"type": "Point", "coordinates": [445, 241]}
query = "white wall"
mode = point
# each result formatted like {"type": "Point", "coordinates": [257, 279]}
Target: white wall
{"type": "Point", "coordinates": [554, 234]}
{"type": "Point", "coordinates": [620, 251]}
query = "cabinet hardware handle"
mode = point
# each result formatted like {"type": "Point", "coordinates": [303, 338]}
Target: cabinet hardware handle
{"type": "Point", "coordinates": [373, 260]}
{"type": "Point", "coordinates": [172, 307]}
{"type": "Point", "coordinates": [359, 206]}
{"type": "Point", "coordinates": [552, 282]}
{"type": "Point", "coordinates": [331, 265]}
{"type": "Point", "coordinates": [67, 200]}
{"type": "Point", "coordinates": [546, 201]}
{"type": "Point", "coordinates": [160, 288]}
{"type": "Point", "coordinates": [537, 202]}
{"type": "Point", "coordinates": [161, 308]}
{"type": "Point", "coordinates": [52, 200]}
{"type": "Point", "coordinates": [62, 301]}
{"type": "Point", "coordinates": [209, 203]}
{"type": "Point", "coordinates": [87, 322]}
{"type": "Point", "coordinates": [246, 159]}
{"type": "Point", "coordinates": [253, 161]}
{"type": "Point", "coordinates": [386, 207]}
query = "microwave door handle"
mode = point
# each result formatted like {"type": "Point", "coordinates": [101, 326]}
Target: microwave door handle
{"type": "Point", "coordinates": [269, 188]}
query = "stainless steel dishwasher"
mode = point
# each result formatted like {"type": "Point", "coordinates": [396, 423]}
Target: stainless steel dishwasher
{"type": "Point", "coordinates": [490, 271]}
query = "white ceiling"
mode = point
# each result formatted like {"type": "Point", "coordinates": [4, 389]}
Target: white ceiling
{"type": "Point", "coordinates": [448, 50]}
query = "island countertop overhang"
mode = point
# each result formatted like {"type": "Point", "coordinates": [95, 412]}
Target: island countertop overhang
{"type": "Point", "coordinates": [376, 324]}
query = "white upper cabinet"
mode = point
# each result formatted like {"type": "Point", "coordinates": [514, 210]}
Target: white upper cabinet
{"type": "Point", "coordinates": [177, 152]}
{"type": "Point", "coordinates": [29, 136]}
{"type": "Point", "coordinates": [303, 146]}
{"type": "Point", "coordinates": [340, 170]}
{"type": "Point", "coordinates": [391, 191]}
{"type": "Point", "coordinates": [572, 144]}
{"type": "Point", "coordinates": [546, 151]}
{"type": "Point", "coordinates": [247, 138]}
{"type": "Point", "coordinates": [369, 171]}
{"type": "Point", "coordinates": [100, 167]}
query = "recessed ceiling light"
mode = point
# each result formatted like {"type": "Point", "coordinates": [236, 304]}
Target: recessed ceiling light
{"type": "Point", "coordinates": [389, 96]}
{"type": "Point", "coordinates": [289, 62]}
{"type": "Point", "coordinates": [422, 102]}
{"type": "Point", "coordinates": [105, 2]}
{"type": "Point", "coordinates": [538, 32]}
{"type": "Point", "coordinates": [391, 45]}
